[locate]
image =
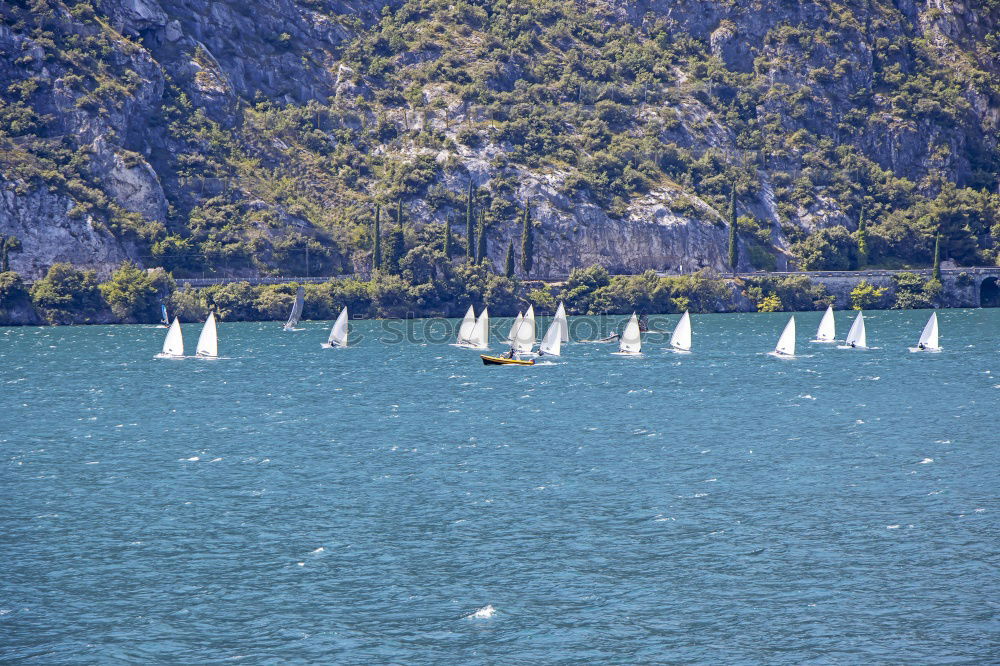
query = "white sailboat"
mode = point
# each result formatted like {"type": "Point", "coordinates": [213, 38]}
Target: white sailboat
{"type": "Point", "coordinates": [551, 344]}
{"type": "Point", "coordinates": [631, 339]}
{"type": "Point", "coordinates": [680, 340]}
{"type": "Point", "coordinates": [339, 332]}
{"type": "Point", "coordinates": [525, 334]}
{"type": "Point", "coordinates": [929, 336]}
{"type": "Point", "coordinates": [173, 344]}
{"type": "Point", "coordinates": [293, 318]}
{"type": "Point", "coordinates": [465, 328]}
{"type": "Point", "coordinates": [514, 327]}
{"type": "Point", "coordinates": [208, 341]}
{"type": "Point", "coordinates": [827, 331]}
{"type": "Point", "coordinates": [563, 322]}
{"type": "Point", "coordinates": [856, 337]}
{"type": "Point", "coordinates": [479, 336]}
{"type": "Point", "coordinates": [786, 343]}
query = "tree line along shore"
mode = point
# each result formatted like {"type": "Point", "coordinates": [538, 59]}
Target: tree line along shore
{"type": "Point", "coordinates": [69, 295]}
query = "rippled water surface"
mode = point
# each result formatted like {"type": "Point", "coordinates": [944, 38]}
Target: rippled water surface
{"type": "Point", "coordinates": [401, 503]}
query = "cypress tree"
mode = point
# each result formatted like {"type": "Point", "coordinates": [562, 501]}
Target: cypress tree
{"type": "Point", "coordinates": [862, 240]}
{"type": "Point", "coordinates": [397, 242]}
{"type": "Point", "coordinates": [470, 232]}
{"type": "Point", "coordinates": [509, 269]}
{"type": "Point", "coordinates": [936, 273]}
{"type": "Point", "coordinates": [733, 247]}
{"type": "Point", "coordinates": [527, 242]}
{"type": "Point", "coordinates": [377, 241]}
{"type": "Point", "coordinates": [447, 238]}
{"type": "Point", "coordinates": [481, 248]}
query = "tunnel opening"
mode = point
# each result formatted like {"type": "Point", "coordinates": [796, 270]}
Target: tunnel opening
{"type": "Point", "coordinates": [989, 293]}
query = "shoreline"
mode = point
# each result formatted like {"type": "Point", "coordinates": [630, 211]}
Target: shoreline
{"type": "Point", "coordinates": [68, 296]}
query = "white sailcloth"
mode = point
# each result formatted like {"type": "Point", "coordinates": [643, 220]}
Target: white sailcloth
{"type": "Point", "coordinates": [563, 322]}
{"type": "Point", "coordinates": [293, 318]}
{"type": "Point", "coordinates": [786, 343]}
{"type": "Point", "coordinates": [513, 327]}
{"type": "Point", "coordinates": [529, 322]}
{"type": "Point", "coordinates": [468, 322]}
{"type": "Point", "coordinates": [827, 331]}
{"type": "Point", "coordinates": [551, 344]}
{"type": "Point", "coordinates": [173, 344]}
{"type": "Point", "coordinates": [208, 341]}
{"type": "Point", "coordinates": [929, 336]}
{"type": "Point", "coordinates": [856, 336]}
{"type": "Point", "coordinates": [339, 332]}
{"type": "Point", "coordinates": [681, 338]}
{"type": "Point", "coordinates": [479, 337]}
{"type": "Point", "coordinates": [631, 340]}
{"type": "Point", "coordinates": [525, 335]}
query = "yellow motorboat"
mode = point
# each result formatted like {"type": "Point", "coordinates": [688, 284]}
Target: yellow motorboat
{"type": "Point", "coordinates": [503, 360]}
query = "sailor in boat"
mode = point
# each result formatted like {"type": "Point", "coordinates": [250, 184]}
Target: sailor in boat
{"type": "Point", "coordinates": [852, 345]}
{"type": "Point", "coordinates": [921, 346]}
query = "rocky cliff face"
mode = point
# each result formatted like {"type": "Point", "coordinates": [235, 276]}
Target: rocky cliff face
{"type": "Point", "coordinates": [255, 136]}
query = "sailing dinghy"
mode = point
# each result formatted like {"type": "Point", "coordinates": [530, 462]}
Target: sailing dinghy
{"type": "Point", "coordinates": [827, 331]}
{"type": "Point", "coordinates": [680, 341]}
{"type": "Point", "coordinates": [856, 337]}
{"type": "Point", "coordinates": [339, 332]}
{"type": "Point", "coordinates": [786, 343]}
{"type": "Point", "coordinates": [524, 336]}
{"type": "Point", "coordinates": [630, 342]}
{"type": "Point", "coordinates": [563, 322]}
{"type": "Point", "coordinates": [293, 318]}
{"type": "Point", "coordinates": [208, 341]}
{"type": "Point", "coordinates": [173, 344]}
{"type": "Point", "coordinates": [465, 328]}
{"type": "Point", "coordinates": [474, 333]}
{"type": "Point", "coordinates": [514, 326]}
{"type": "Point", "coordinates": [929, 336]}
{"type": "Point", "coordinates": [479, 337]}
{"type": "Point", "coordinates": [551, 344]}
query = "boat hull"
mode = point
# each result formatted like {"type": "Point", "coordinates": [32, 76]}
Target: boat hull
{"type": "Point", "coordinates": [500, 360]}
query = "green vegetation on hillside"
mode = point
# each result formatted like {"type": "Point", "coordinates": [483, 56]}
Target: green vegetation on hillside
{"type": "Point", "coordinates": [618, 107]}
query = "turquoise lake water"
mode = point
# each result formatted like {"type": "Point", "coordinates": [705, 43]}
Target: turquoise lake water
{"type": "Point", "coordinates": [400, 503]}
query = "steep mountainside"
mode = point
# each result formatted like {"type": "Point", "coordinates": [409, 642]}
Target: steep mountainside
{"type": "Point", "coordinates": [237, 137]}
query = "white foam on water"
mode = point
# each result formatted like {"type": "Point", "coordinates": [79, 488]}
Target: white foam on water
{"type": "Point", "coordinates": [807, 397]}
{"type": "Point", "coordinates": [892, 527]}
{"type": "Point", "coordinates": [215, 460]}
{"type": "Point", "coordinates": [980, 510]}
{"type": "Point", "coordinates": [935, 492]}
{"type": "Point", "coordinates": [926, 460]}
{"type": "Point", "coordinates": [93, 462]}
{"type": "Point", "coordinates": [484, 613]}
{"type": "Point", "coordinates": [301, 564]}
{"type": "Point", "coordinates": [942, 441]}
{"type": "Point", "coordinates": [710, 480]}
{"type": "Point", "coordinates": [191, 459]}
{"type": "Point", "coordinates": [319, 550]}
